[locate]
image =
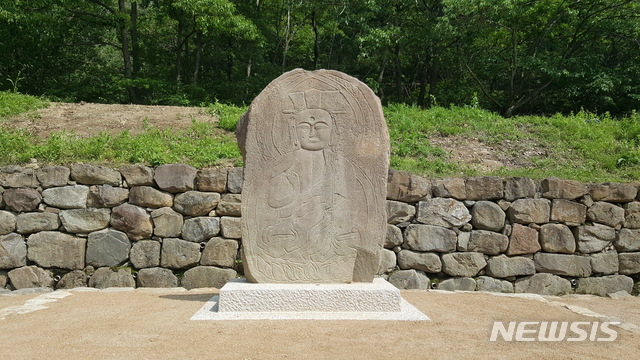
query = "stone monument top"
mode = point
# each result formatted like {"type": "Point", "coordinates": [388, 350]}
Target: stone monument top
{"type": "Point", "coordinates": [316, 151]}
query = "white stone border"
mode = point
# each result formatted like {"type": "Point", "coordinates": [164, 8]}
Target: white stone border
{"type": "Point", "coordinates": [408, 312]}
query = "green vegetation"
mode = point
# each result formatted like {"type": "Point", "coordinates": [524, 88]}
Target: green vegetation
{"type": "Point", "coordinates": [201, 145]}
{"type": "Point", "coordinates": [12, 103]}
{"type": "Point", "coordinates": [227, 115]}
{"type": "Point", "coordinates": [518, 56]}
{"type": "Point", "coordinates": [582, 146]}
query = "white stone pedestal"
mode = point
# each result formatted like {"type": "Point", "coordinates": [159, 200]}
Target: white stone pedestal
{"type": "Point", "coordinates": [241, 300]}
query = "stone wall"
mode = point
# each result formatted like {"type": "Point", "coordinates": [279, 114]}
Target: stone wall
{"type": "Point", "coordinates": [87, 225]}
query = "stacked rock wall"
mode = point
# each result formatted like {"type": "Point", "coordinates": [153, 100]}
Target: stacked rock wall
{"type": "Point", "coordinates": [512, 235]}
{"type": "Point", "coordinates": [87, 225]}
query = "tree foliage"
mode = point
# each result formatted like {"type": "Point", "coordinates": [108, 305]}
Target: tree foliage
{"type": "Point", "coordinates": [511, 56]}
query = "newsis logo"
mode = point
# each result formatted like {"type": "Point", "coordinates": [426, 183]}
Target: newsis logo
{"type": "Point", "coordinates": [554, 331]}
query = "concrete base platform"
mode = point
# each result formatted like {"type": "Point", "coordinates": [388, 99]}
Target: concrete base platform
{"type": "Point", "coordinates": [241, 300]}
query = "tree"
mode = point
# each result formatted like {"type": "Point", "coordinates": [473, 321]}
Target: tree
{"type": "Point", "coordinates": [515, 50]}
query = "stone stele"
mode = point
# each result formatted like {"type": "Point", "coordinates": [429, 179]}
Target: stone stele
{"type": "Point", "coordinates": [316, 151]}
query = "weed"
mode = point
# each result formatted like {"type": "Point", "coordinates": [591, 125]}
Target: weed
{"type": "Point", "coordinates": [583, 146]}
{"type": "Point", "coordinates": [14, 103]}
{"type": "Point", "coordinates": [227, 115]}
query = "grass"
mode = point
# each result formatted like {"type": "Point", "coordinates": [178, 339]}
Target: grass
{"type": "Point", "coordinates": [582, 146]}
{"type": "Point", "coordinates": [202, 145]}
{"type": "Point", "coordinates": [15, 103]}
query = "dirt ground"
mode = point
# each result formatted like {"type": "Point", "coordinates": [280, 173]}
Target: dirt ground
{"type": "Point", "coordinates": [152, 324]}
{"type": "Point", "coordinates": [86, 119]}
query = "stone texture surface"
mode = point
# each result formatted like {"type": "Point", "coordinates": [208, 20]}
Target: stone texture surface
{"type": "Point", "coordinates": [594, 238]}
{"type": "Point", "coordinates": [200, 229]}
{"type": "Point", "coordinates": [604, 263]}
{"type": "Point", "coordinates": [443, 212]}
{"type": "Point", "coordinates": [13, 251]}
{"type": "Point", "coordinates": [488, 242]}
{"type": "Point", "coordinates": [523, 240]}
{"type": "Point", "coordinates": [543, 284]}
{"type": "Point", "coordinates": [55, 249]}
{"type": "Point", "coordinates": [632, 215]}
{"type": "Point", "coordinates": [605, 285]}
{"type": "Point", "coordinates": [7, 222]}
{"type": "Point", "coordinates": [212, 179]}
{"type": "Point", "coordinates": [106, 277]}
{"type": "Point", "coordinates": [137, 175]}
{"type": "Point", "coordinates": [73, 279]}
{"type": "Point", "coordinates": [486, 283]}
{"type": "Point", "coordinates": [458, 284]}
{"type": "Point", "coordinates": [505, 267]}
{"type": "Point", "coordinates": [568, 212]}
{"type": "Point", "coordinates": [388, 261]}
{"type": "Point", "coordinates": [106, 196]}
{"type": "Point", "coordinates": [464, 264]}
{"type": "Point", "coordinates": [399, 212]}
{"type": "Point", "coordinates": [21, 200]}
{"type": "Point", "coordinates": [430, 238]}
{"type": "Point", "coordinates": [239, 296]}
{"type": "Point", "coordinates": [463, 240]}
{"type": "Point", "coordinates": [565, 265]}
{"type": "Point", "coordinates": [487, 215]}
{"type": "Point", "coordinates": [14, 176]}
{"type": "Point", "coordinates": [484, 188]}
{"type": "Point", "coordinates": [629, 263]}
{"type": "Point", "coordinates": [613, 192]}
{"type": "Point", "coordinates": [145, 254]}
{"type": "Point", "coordinates": [231, 227]}
{"type": "Point", "coordinates": [235, 180]}
{"type": "Point", "coordinates": [66, 197]}
{"type": "Point", "coordinates": [107, 248]}
{"type": "Point", "coordinates": [406, 187]}
{"type": "Point", "coordinates": [175, 177]}
{"type": "Point", "coordinates": [220, 252]}
{"type": "Point", "coordinates": [409, 279]}
{"type": "Point", "coordinates": [606, 214]}
{"type": "Point", "coordinates": [206, 276]}
{"type": "Point", "coordinates": [132, 220]}
{"type": "Point", "coordinates": [628, 240]}
{"type": "Point", "coordinates": [28, 223]}
{"type": "Point", "coordinates": [157, 278]}
{"type": "Point", "coordinates": [449, 188]}
{"type": "Point", "coordinates": [557, 238]}
{"type": "Point", "coordinates": [230, 205]}
{"type": "Point", "coordinates": [179, 254]}
{"type": "Point", "coordinates": [83, 221]}
{"type": "Point", "coordinates": [394, 237]}
{"type": "Point", "coordinates": [196, 203]}
{"type": "Point", "coordinates": [30, 277]}
{"type": "Point", "coordinates": [427, 262]}
{"type": "Point", "coordinates": [518, 188]}
{"type": "Point", "coordinates": [329, 153]}
{"type": "Point", "coordinates": [52, 176]}
{"type": "Point", "coordinates": [95, 175]}
{"type": "Point", "coordinates": [149, 197]}
{"type": "Point", "coordinates": [167, 222]}
{"type": "Point", "coordinates": [554, 188]}
{"type": "Point", "coordinates": [527, 211]}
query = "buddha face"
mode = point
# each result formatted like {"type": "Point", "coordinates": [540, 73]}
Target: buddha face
{"type": "Point", "coordinates": [313, 127]}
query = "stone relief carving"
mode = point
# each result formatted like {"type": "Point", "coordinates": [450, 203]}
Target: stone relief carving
{"type": "Point", "coordinates": [316, 156]}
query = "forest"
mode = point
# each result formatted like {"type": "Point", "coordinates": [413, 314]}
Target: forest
{"type": "Point", "coordinates": [508, 56]}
